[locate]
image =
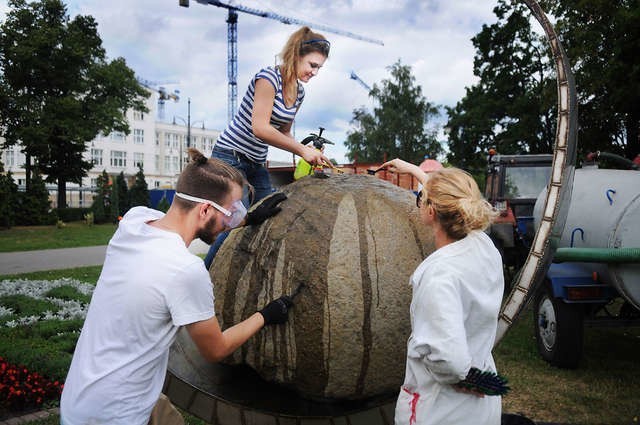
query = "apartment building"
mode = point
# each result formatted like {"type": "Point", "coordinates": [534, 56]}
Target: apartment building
{"type": "Point", "coordinates": [160, 147]}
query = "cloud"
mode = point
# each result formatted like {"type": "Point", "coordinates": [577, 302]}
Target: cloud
{"type": "Point", "coordinates": [162, 41]}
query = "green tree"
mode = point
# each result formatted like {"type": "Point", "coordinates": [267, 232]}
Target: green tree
{"type": "Point", "coordinates": [8, 198]}
{"type": "Point", "coordinates": [398, 126]}
{"type": "Point", "coordinates": [115, 201]}
{"type": "Point", "coordinates": [602, 39]}
{"type": "Point", "coordinates": [163, 205]}
{"type": "Point", "coordinates": [58, 91]}
{"type": "Point", "coordinates": [120, 196]}
{"type": "Point", "coordinates": [101, 206]}
{"type": "Point", "coordinates": [139, 193]}
{"type": "Point", "coordinates": [34, 203]}
{"type": "Point", "coordinates": [512, 107]}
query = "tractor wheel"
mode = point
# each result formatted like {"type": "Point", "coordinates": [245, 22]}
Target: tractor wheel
{"type": "Point", "coordinates": [558, 328]}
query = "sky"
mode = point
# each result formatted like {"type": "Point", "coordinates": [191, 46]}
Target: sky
{"type": "Point", "coordinates": [185, 49]}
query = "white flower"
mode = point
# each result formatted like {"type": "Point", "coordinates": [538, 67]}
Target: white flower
{"type": "Point", "coordinates": [37, 289]}
{"type": "Point", "coordinates": [4, 311]}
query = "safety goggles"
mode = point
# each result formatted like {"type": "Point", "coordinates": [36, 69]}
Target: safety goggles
{"type": "Point", "coordinates": [232, 219]}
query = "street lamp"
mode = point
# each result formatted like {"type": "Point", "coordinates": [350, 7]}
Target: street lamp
{"type": "Point", "coordinates": [189, 125]}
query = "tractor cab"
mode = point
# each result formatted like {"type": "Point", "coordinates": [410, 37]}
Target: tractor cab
{"type": "Point", "coordinates": [512, 187]}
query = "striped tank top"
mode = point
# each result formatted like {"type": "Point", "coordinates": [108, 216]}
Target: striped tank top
{"type": "Point", "coordinates": [238, 135]}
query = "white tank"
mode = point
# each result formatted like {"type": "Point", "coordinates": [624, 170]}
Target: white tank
{"type": "Point", "coordinates": [605, 213]}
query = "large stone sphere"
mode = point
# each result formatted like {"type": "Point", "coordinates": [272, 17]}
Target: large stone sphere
{"type": "Point", "coordinates": [352, 241]}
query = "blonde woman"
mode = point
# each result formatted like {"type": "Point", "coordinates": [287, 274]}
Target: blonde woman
{"type": "Point", "coordinates": [266, 115]}
{"type": "Point", "coordinates": [457, 291]}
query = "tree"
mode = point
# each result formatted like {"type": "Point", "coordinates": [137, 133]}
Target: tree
{"type": "Point", "coordinates": [8, 198]}
{"type": "Point", "coordinates": [58, 91]}
{"type": "Point", "coordinates": [120, 197]}
{"type": "Point", "coordinates": [34, 203]}
{"type": "Point", "coordinates": [163, 205]}
{"type": "Point", "coordinates": [512, 107]}
{"type": "Point", "coordinates": [602, 39]}
{"type": "Point", "coordinates": [398, 125]}
{"type": "Point", "coordinates": [139, 193]}
{"type": "Point", "coordinates": [101, 206]}
{"type": "Point", "coordinates": [115, 202]}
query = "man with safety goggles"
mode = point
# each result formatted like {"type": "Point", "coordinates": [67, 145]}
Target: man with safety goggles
{"type": "Point", "coordinates": [150, 287]}
{"type": "Point", "coordinates": [235, 216]}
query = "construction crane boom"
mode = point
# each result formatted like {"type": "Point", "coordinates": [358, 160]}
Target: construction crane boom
{"type": "Point", "coordinates": [288, 20]}
{"type": "Point", "coordinates": [163, 95]}
{"type": "Point", "coordinates": [354, 76]}
{"type": "Point", "coordinates": [232, 39]}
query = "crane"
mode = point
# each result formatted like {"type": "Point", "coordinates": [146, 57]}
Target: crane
{"type": "Point", "coordinates": [163, 95]}
{"type": "Point", "coordinates": [232, 40]}
{"type": "Point", "coordinates": [354, 76]}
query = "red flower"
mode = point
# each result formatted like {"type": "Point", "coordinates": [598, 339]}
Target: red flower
{"type": "Point", "coordinates": [20, 389]}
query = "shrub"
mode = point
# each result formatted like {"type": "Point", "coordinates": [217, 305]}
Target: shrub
{"type": "Point", "coordinates": [139, 192]}
{"type": "Point", "coordinates": [88, 219]}
{"type": "Point", "coordinates": [33, 205]}
{"type": "Point", "coordinates": [101, 206]}
{"type": "Point", "coordinates": [8, 199]}
{"type": "Point", "coordinates": [163, 205]}
{"type": "Point", "coordinates": [119, 197]}
{"type": "Point", "coordinates": [71, 214]}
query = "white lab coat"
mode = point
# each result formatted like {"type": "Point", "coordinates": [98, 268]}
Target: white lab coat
{"type": "Point", "coordinates": [457, 292]}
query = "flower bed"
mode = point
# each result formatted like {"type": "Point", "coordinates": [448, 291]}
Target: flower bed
{"type": "Point", "coordinates": [22, 390]}
{"type": "Point", "coordinates": [40, 289]}
{"type": "Point", "coordinates": [40, 322]}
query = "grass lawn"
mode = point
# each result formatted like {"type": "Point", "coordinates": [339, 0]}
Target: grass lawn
{"type": "Point", "coordinates": [77, 234]}
{"type": "Point", "coordinates": [605, 389]}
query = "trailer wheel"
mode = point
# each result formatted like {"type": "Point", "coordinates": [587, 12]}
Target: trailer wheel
{"type": "Point", "coordinates": [558, 328]}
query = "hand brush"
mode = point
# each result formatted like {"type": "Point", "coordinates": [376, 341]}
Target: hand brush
{"type": "Point", "coordinates": [485, 382]}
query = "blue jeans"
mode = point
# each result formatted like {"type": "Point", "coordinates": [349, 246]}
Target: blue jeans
{"type": "Point", "coordinates": [256, 174]}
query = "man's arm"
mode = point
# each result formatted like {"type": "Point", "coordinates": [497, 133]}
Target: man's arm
{"type": "Point", "coordinates": [214, 345]}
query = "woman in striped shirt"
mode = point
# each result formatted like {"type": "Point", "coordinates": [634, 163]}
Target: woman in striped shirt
{"type": "Point", "coordinates": [266, 113]}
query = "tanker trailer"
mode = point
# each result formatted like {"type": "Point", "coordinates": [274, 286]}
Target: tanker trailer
{"type": "Point", "coordinates": [595, 276]}
{"type": "Point", "coordinates": [345, 247]}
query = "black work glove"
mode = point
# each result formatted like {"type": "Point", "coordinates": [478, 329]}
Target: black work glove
{"type": "Point", "coordinates": [267, 208]}
{"type": "Point", "coordinates": [276, 312]}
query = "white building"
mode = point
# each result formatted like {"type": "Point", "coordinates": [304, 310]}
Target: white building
{"type": "Point", "coordinates": [160, 147]}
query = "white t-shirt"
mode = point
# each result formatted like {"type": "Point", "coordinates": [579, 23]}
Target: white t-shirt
{"type": "Point", "coordinates": [150, 285]}
{"type": "Point", "coordinates": [457, 292]}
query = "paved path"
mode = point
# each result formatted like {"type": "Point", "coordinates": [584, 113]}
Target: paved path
{"type": "Point", "coordinates": [53, 259]}
{"type": "Point", "coordinates": [66, 258]}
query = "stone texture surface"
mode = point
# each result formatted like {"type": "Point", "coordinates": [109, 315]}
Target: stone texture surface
{"type": "Point", "coordinates": [353, 242]}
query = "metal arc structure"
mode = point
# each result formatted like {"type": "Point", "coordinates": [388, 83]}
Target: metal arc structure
{"type": "Point", "coordinates": [556, 205]}
{"type": "Point", "coordinates": [222, 396]}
